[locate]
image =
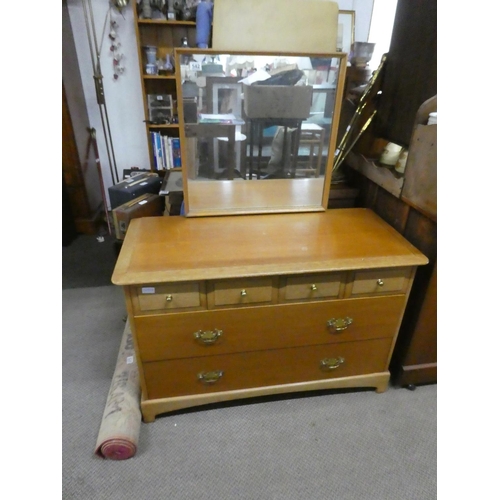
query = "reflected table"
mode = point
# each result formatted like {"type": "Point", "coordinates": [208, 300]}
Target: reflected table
{"type": "Point", "coordinates": [224, 129]}
{"type": "Point", "coordinates": [257, 126]}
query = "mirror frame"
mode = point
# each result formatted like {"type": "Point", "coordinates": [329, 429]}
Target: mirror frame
{"type": "Point", "coordinates": [287, 200]}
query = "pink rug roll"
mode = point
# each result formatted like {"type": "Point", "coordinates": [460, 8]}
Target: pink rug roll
{"type": "Point", "coordinates": [117, 449]}
{"type": "Point", "coordinates": [119, 432]}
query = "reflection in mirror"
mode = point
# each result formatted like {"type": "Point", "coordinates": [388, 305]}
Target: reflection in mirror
{"type": "Point", "coordinates": [254, 117]}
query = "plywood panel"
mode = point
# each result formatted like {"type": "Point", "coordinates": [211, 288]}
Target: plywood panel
{"type": "Point", "coordinates": [276, 25]}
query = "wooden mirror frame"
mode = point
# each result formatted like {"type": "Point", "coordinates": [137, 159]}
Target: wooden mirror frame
{"type": "Point", "coordinates": [227, 197]}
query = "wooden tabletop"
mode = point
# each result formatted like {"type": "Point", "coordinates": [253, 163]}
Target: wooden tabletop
{"type": "Point", "coordinates": [176, 248]}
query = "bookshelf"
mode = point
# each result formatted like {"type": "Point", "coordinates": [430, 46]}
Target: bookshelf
{"type": "Point", "coordinates": [165, 35]}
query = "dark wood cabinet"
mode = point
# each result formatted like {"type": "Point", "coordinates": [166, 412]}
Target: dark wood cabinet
{"type": "Point", "coordinates": [82, 194]}
{"type": "Point", "coordinates": [407, 202]}
{"type": "Point", "coordinates": [414, 360]}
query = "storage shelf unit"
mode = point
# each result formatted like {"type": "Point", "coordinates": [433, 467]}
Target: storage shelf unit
{"type": "Point", "coordinates": [166, 36]}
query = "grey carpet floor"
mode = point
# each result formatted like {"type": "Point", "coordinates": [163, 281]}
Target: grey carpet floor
{"type": "Point", "coordinates": [89, 261]}
{"type": "Point", "coordinates": [345, 445]}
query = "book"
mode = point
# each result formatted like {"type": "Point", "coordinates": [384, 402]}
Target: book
{"type": "Point", "coordinates": [176, 152]}
{"type": "Point", "coordinates": [167, 156]}
{"type": "Point", "coordinates": [159, 148]}
{"type": "Point", "coordinates": [153, 144]}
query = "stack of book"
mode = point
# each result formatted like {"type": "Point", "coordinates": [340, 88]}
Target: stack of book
{"type": "Point", "coordinates": [166, 151]}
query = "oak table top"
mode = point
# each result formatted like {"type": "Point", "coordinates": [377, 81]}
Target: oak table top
{"type": "Point", "coordinates": [173, 249]}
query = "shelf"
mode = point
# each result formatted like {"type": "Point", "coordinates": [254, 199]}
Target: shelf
{"type": "Point", "coordinates": [170, 125]}
{"type": "Point", "coordinates": [385, 177]}
{"type": "Point", "coordinates": [166, 35]}
{"type": "Point", "coordinates": [164, 21]}
{"type": "Point", "coordinates": [158, 77]}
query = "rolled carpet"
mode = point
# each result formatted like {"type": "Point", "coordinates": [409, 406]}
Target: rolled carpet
{"type": "Point", "coordinates": [119, 432]}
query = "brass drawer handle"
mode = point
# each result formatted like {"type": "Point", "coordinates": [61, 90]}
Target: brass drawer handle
{"type": "Point", "coordinates": [207, 337]}
{"type": "Point", "coordinates": [243, 293]}
{"type": "Point", "coordinates": [329, 364]}
{"type": "Point", "coordinates": [314, 288]}
{"type": "Point", "coordinates": [339, 324]}
{"type": "Point", "coordinates": [209, 378]}
{"type": "Point", "coordinates": [380, 282]}
{"type": "Point", "coordinates": [169, 298]}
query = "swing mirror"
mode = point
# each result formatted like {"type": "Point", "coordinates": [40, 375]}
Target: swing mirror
{"type": "Point", "coordinates": [258, 130]}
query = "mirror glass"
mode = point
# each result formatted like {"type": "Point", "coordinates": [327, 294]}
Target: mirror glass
{"type": "Point", "coordinates": [258, 130]}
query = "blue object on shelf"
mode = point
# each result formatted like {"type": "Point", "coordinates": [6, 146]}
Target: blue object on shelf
{"type": "Point", "coordinates": [204, 13]}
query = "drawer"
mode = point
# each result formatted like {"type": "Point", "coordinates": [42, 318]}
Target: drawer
{"type": "Point", "coordinates": [166, 297]}
{"type": "Point", "coordinates": [181, 377]}
{"type": "Point", "coordinates": [380, 281]}
{"type": "Point", "coordinates": [223, 331]}
{"type": "Point", "coordinates": [241, 292]}
{"type": "Point", "coordinates": [312, 287]}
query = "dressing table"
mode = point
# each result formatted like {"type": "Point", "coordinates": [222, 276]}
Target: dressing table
{"type": "Point", "coordinates": [260, 290]}
{"type": "Point", "coordinates": [233, 307]}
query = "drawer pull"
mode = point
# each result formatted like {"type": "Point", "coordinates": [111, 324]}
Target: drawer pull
{"type": "Point", "coordinates": [169, 298]}
{"type": "Point", "coordinates": [313, 287]}
{"type": "Point", "coordinates": [380, 282]}
{"type": "Point", "coordinates": [339, 324]}
{"type": "Point", "coordinates": [209, 378]}
{"type": "Point", "coordinates": [329, 364]}
{"type": "Point", "coordinates": [207, 337]}
{"type": "Point", "coordinates": [243, 293]}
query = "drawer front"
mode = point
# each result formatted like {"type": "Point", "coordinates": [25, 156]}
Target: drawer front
{"type": "Point", "coordinates": [244, 291]}
{"type": "Point", "coordinates": [215, 332]}
{"type": "Point", "coordinates": [380, 281]}
{"type": "Point", "coordinates": [181, 377]}
{"type": "Point", "coordinates": [166, 297]}
{"type": "Point", "coordinates": [312, 287]}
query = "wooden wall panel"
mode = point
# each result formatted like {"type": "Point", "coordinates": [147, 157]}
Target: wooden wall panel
{"type": "Point", "coordinates": [410, 73]}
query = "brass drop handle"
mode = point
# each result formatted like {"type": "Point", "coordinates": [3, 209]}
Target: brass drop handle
{"type": "Point", "coordinates": [380, 282]}
{"type": "Point", "coordinates": [207, 337]}
{"type": "Point", "coordinates": [339, 324]}
{"type": "Point", "coordinates": [313, 287]}
{"type": "Point", "coordinates": [169, 298]}
{"type": "Point", "coordinates": [329, 364]}
{"type": "Point", "coordinates": [209, 378]}
{"type": "Point", "coordinates": [243, 293]}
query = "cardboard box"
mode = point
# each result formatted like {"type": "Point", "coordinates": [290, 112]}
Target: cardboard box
{"type": "Point", "coordinates": [133, 187]}
{"type": "Point", "coordinates": [277, 101]}
{"type": "Point", "coordinates": [146, 205]}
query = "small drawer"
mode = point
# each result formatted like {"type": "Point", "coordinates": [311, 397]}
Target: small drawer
{"type": "Point", "coordinates": [240, 292]}
{"type": "Point", "coordinates": [312, 287]}
{"type": "Point", "coordinates": [380, 281]}
{"type": "Point", "coordinates": [164, 297]}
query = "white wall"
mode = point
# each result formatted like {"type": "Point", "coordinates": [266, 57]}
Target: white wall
{"type": "Point", "coordinates": [123, 96]}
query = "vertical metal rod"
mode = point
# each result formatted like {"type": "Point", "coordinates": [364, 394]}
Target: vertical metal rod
{"type": "Point", "coordinates": [96, 66]}
{"type": "Point", "coordinates": [101, 182]}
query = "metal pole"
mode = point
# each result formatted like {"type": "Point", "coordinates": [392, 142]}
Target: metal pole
{"type": "Point", "coordinates": [101, 101]}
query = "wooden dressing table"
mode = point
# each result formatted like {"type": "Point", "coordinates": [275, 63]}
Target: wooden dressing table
{"type": "Point", "coordinates": [231, 307]}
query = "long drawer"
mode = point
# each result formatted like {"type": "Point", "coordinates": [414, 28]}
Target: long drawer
{"type": "Point", "coordinates": [181, 377]}
{"type": "Point", "coordinates": [216, 332]}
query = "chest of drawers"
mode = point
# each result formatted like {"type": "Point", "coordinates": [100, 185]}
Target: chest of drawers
{"type": "Point", "coordinates": [233, 307]}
